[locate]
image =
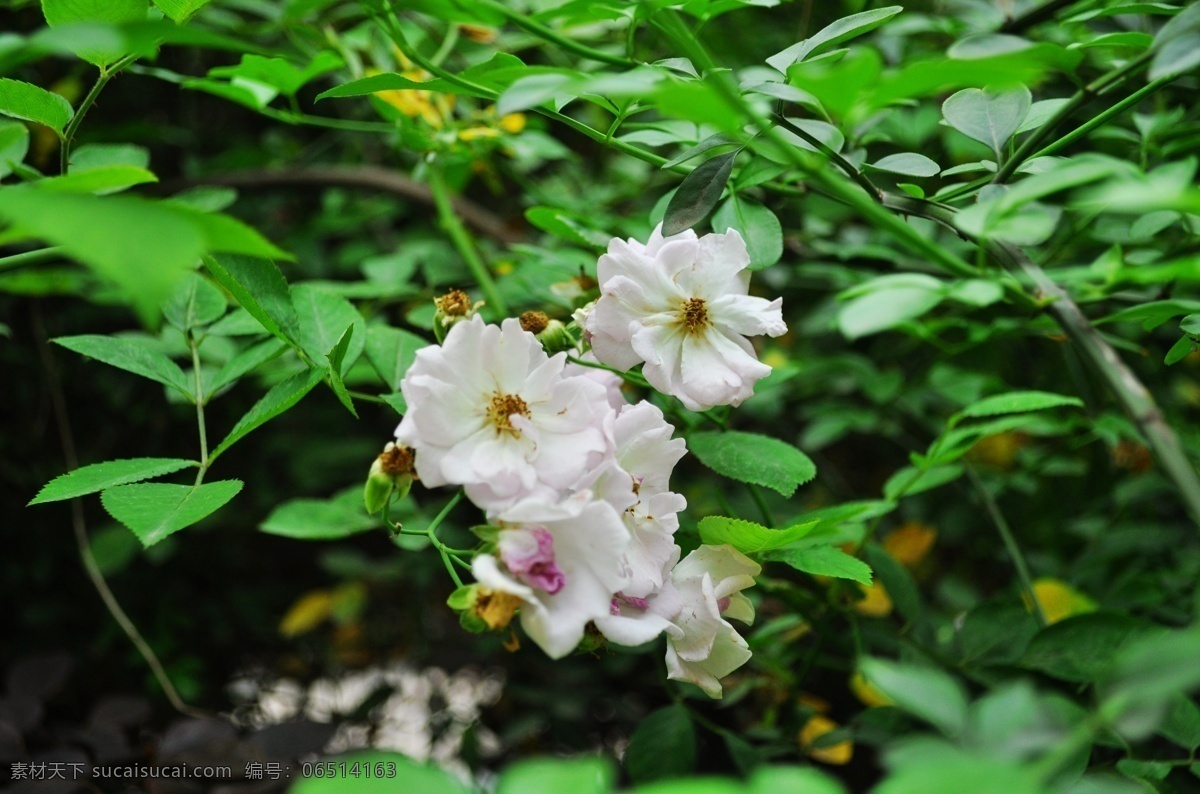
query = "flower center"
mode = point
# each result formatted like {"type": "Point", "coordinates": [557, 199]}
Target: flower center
{"type": "Point", "coordinates": [501, 409]}
{"type": "Point", "coordinates": [694, 315]}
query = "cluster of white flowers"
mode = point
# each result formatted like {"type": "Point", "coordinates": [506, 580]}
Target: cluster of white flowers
{"type": "Point", "coordinates": [576, 479]}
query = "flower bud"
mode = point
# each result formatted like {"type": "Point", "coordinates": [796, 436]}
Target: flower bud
{"type": "Point", "coordinates": [481, 609]}
{"type": "Point", "coordinates": [391, 473]}
{"type": "Point", "coordinates": [453, 307]}
{"type": "Point", "coordinates": [553, 335]}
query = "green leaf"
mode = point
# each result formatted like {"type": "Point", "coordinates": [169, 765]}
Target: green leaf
{"type": "Point", "coordinates": [27, 102]}
{"type": "Point", "coordinates": [98, 476]}
{"type": "Point", "coordinates": [1156, 667]}
{"type": "Point", "coordinates": [843, 29]}
{"type": "Point", "coordinates": [1082, 647]}
{"type": "Point", "coordinates": [888, 301]}
{"type": "Point", "coordinates": [698, 194]}
{"type": "Point", "coordinates": [245, 361]}
{"type": "Point", "coordinates": [143, 246]}
{"type": "Point", "coordinates": [987, 116]}
{"type": "Point", "coordinates": [924, 692]}
{"type": "Point", "coordinates": [400, 774]}
{"type": "Point", "coordinates": [663, 746]}
{"type": "Point", "coordinates": [896, 580]}
{"type": "Point", "coordinates": [711, 142]}
{"type": "Point", "coordinates": [391, 352]}
{"type": "Point", "coordinates": [753, 458]}
{"type": "Point", "coordinates": [259, 287]}
{"type": "Point", "coordinates": [335, 357]}
{"type": "Point", "coordinates": [749, 537]}
{"type": "Point", "coordinates": [911, 480]}
{"type": "Point", "coordinates": [281, 397]}
{"type": "Point", "coordinates": [996, 633]}
{"type": "Point", "coordinates": [758, 226]}
{"type": "Point", "coordinates": [14, 145]}
{"type": "Point", "coordinates": [180, 10]}
{"type": "Point", "coordinates": [1182, 725]}
{"type": "Point", "coordinates": [316, 519]}
{"type": "Point", "coordinates": [106, 12]}
{"type": "Point", "coordinates": [1019, 402]}
{"type": "Point", "coordinates": [323, 318]}
{"type": "Point", "coordinates": [195, 302]}
{"type": "Point", "coordinates": [826, 561]}
{"type": "Point", "coordinates": [557, 775]}
{"type": "Point", "coordinates": [907, 163]}
{"type": "Point", "coordinates": [1177, 45]}
{"type": "Point", "coordinates": [100, 180]}
{"type": "Point", "coordinates": [792, 780]}
{"type": "Point", "coordinates": [132, 357]}
{"type": "Point", "coordinates": [155, 510]}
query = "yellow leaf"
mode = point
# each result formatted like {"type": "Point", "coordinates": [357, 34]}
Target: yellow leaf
{"type": "Point", "coordinates": [836, 754]}
{"type": "Point", "coordinates": [1059, 600]}
{"type": "Point", "coordinates": [310, 610]}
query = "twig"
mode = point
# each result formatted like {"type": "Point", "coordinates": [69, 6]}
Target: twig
{"type": "Point", "coordinates": [368, 177]}
{"type": "Point", "coordinates": [67, 439]}
{"type": "Point", "coordinates": [1010, 544]}
{"type": "Point", "coordinates": [462, 241]}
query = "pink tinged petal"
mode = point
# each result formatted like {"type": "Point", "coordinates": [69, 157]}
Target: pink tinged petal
{"type": "Point", "coordinates": [748, 315]}
{"type": "Point", "coordinates": [717, 370]}
{"type": "Point", "coordinates": [529, 554]}
{"type": "Point", "coordinates": [487, 572]}
{"type": "Point", "coordinates": [739, 608]}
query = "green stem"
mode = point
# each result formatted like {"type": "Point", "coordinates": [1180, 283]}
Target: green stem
{"type": "Point", "coordinates": [304, 119]}
{"type": "Point", "coordinates": [371, 398]}
{"type": "Point", "coordinates": [832, 156]}
{"type": "Point", "coordinates": [1131, 393]}
{"type": "Point", "coordinates": [546, 34]}
{"type": "Point", "coordinates": [30, 258]}
{"type": "Point", "coordinates": [1037, 14]}
{"type": "Point", "coordinates": [1103, 118]}
{"type": "Point", "coordinates": [631, 377]}
{"type": "Point", "coordinates": [447, 47]}
{"type": "Point", "coordinates": [463, 242]}
{"type": "Point", "coordinates": [1010, 544]}
{"type": "Point", "coordinates": [199, 412]}
{"type": "Point", "coordinates": [1081, 97]}
{"type": "Point", "coordinates": [431, 532]}
{"type": "Point", "coordinates": [68, 137]}
{"type": "Point", "coordinates": [763, 507]}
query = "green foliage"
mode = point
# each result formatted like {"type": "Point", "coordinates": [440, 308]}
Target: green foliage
{"type": "Point", "coordinates": [982, 222]}
{"type": "Point", "coordinates": [155, 510]}
{"type": "Point", "coordinates": [99, 476]}
{"type": "Point", "coordinates": [663, 746]}
{"type": "Point", "coordinates": [753, 458]}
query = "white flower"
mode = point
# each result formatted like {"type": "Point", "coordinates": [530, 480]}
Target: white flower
{"type": "Point", "coordinates": [702, 646]}
{"type": "Point", "coordinates": [609, 380]}
{"type": "Point", "coordinates": [691, 607]}
{"type": "Point", "coordinates": [563, 561]}
{"type": "Point", "coordinates": [635, 480]}
{"type": "Point", "coordinates": [680, 305]}
{"type": "Point", "coordinates": [489, 410]}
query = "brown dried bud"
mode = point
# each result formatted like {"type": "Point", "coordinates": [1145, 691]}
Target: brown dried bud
{"type": "Point", "coordinates": [397, 460]}
{"type": "Point", "coordinates": [535, 322]}
{"type": "Point", "coordinates": [454, 303]}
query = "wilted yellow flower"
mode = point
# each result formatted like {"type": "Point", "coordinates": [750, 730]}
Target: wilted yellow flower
{"type": "Point", "coordinates": [1059, 600]}
{"type": "Point", "coordinates": [496, 607]}
{"type": "Point", "coordinates": [998, 450]}
{"type": "Point", "coordinates": [432, 107]}
{"type": "Point", "coordinates": [835, 754]}
{"type": "Point", "coordinates": [876, 603]}
{"type": "Point", "coordinates": [910, 543]}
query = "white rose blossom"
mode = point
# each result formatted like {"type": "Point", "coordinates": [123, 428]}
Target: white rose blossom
{"type": "Point", "coordinates": [490, 411]}
{"type": "Point", "coordinates": [680, 305]}
{"type": "Point", "coordinates": [691, 607]}
{"type": "Point", "coordinates": [563, 561]}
